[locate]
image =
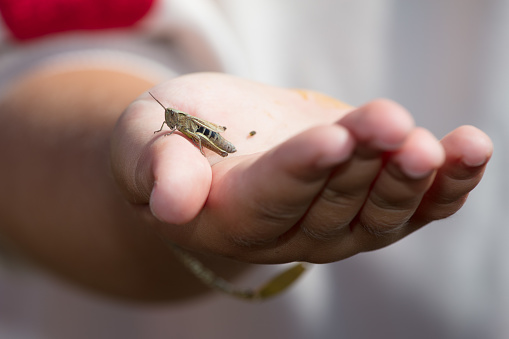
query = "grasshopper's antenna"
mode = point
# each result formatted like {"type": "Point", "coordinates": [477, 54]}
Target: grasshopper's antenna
{"type": "Point", "coordinates": [157, 100]}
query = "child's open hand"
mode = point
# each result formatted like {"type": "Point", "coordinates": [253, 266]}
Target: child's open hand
{"type": "Point", "coordinates": [318, 182]}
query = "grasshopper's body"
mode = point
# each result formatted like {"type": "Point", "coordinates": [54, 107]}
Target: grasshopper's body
{"type": "Point", "coordinates": [201, 132]}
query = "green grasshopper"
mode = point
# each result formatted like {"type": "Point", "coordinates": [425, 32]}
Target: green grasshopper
{"type": "Point", "coordinates": [201, 132]}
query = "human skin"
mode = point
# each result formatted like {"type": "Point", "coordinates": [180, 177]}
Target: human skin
{"type": "Point", "coordinates": [91, 191]}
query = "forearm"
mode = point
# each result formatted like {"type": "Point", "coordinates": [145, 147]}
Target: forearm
{"type": "Point", "coordinates": [59, 203]}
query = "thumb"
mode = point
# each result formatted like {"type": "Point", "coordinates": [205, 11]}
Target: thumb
{"type": "Point", "coordinates": [182, 179]}
{"type": "Point", "coordinates": [169, 174]}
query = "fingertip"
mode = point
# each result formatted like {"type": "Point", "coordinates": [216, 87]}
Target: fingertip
{"type": "Point", "coordinates": [421, 154]}
{"type": "Point", "coordinates": [182, 177]}
{"type": "Point", "coordinates": [337, 146]}
{"type": "Point", "coordinates": [381, 123]}
{"type": "Point", "coordinates": [169, 207]}
{"type": "Point", "coordinates": [470, 144]}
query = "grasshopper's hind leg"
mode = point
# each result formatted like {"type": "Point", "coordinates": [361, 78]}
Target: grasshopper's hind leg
{"type": "Point", "coordinates": [199, 145]}
{"type": "Point", "coordinates": [196, 140]}
{"type": "Point", "coordinates": [201, 141]}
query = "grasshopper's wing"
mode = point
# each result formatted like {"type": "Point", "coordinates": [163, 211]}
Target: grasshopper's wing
{"type": "Point", "coordinates": [207, 124]}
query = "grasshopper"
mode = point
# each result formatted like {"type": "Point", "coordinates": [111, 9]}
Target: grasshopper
{"type": "Point", "coordinates": [201, 132]}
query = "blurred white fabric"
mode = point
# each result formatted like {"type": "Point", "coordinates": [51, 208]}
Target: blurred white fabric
{"type": "Point", "coordinates": [445, 61]}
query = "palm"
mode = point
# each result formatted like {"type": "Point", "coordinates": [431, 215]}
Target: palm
{"type": "Point", "coordinates": [300, 183]}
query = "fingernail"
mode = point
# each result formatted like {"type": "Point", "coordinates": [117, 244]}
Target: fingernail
{"type": "Point", "coordinates": [416, 173]}
{"type": "Point", "coordinates": [473, 161]}
{"type": "Point", "coordinates": [417, 167]}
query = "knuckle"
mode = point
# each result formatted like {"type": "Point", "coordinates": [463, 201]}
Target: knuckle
{"type": "Point", "coordinates": [382, 226]}
{"type": "Point", "coordinates": [323, 233]}
{"type": "Point", "coordinates": [261, 230]}
{"type": "Point", "coordinates": [314, 233]}
{"type": "Point", "coordinates": [441, 210]}
{"type": "Point", "coordinates": [250, 241]}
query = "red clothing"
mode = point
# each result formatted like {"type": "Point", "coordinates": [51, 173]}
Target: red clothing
{"type": "Point", "coordinates": [28, 19]}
